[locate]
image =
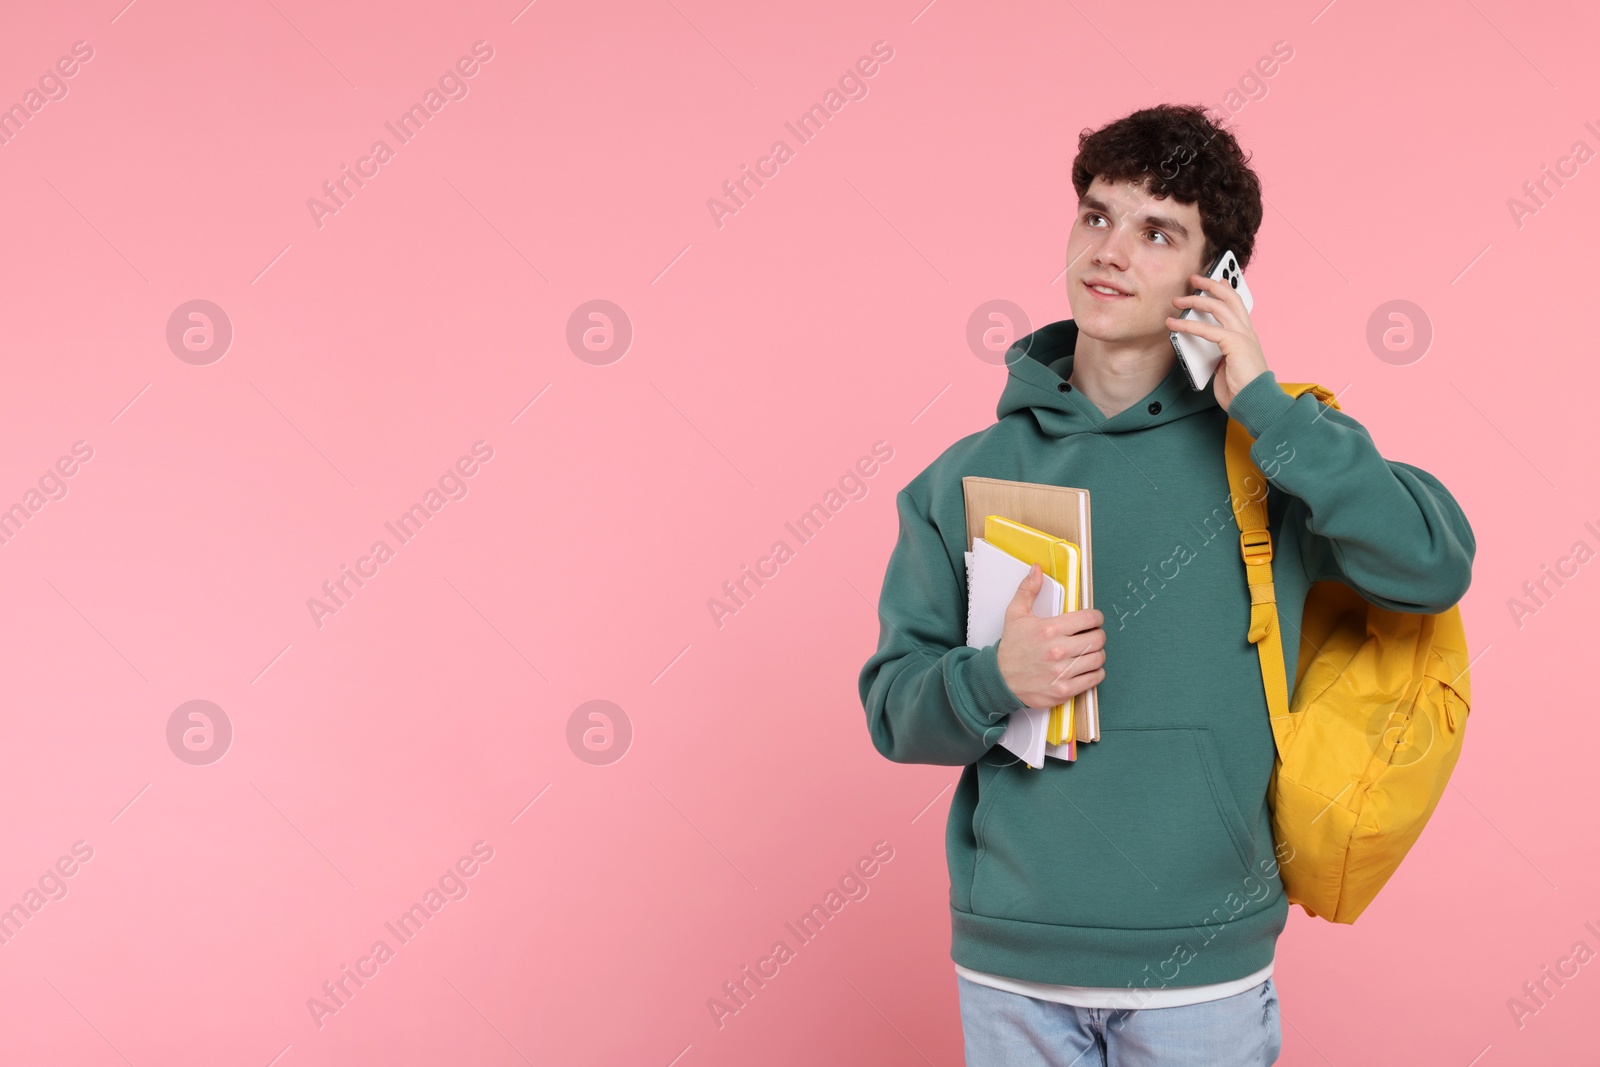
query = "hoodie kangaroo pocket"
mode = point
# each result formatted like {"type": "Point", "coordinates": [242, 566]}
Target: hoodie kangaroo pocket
{"type": "Point", "coordinates": [1140, 832]}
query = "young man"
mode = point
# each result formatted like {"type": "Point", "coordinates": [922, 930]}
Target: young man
{"type": "Point", "coordinates": [1112, 910]}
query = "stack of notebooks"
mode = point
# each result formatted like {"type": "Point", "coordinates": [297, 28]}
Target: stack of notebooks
{"type": "Point", "coordinates": [1010, 527]}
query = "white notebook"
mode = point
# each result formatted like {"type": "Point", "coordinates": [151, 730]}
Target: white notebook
{"type": "Point", "coordinates": [992, 580]}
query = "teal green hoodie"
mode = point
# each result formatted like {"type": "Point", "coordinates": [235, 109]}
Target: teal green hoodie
{"type": "Point", "coordinates": [1148, 861]}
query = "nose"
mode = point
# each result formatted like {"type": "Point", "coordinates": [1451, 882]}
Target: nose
{"type": "Point", "coordinates": [1112, 249]}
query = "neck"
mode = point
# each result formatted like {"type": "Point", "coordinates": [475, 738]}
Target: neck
{"type": "Point", "coordinates": [1114, 375]}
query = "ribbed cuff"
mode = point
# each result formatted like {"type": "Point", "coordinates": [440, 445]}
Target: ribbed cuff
{"type": "Point", "coordinates": [992, 697]}
{"type": "Point", "coordinates": [1259, 404]}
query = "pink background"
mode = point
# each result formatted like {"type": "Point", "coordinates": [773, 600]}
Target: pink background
{"type": "Point", "coordinates": [831, 312]}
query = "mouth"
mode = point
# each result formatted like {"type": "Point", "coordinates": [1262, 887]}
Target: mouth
{"type": "Point", "coordinates": [1106, 293]}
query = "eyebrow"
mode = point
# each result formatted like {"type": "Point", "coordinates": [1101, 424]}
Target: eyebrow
{"type": "Point", "coordinates": [1162, 222]}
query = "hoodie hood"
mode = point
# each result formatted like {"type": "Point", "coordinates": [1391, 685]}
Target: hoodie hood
{"type": "Point", "coordinates": [1040, 364]}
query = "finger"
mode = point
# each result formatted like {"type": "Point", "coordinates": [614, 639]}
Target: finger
{"type": "Point", "coordinates": [1027, 590]}
{"type": "Point", "coordinates": [1220, 290]}
{"type": "Point", "coordinates": [1085, 659]}
{"type": "Point", "coordinates": [1084, 619]}
{"type": "Point", "coordinates": [1077, 646]}
{"type": "Point", "coordinates": [1198, 328]}
{"type": "Point", "coordinates": [1224, 312]}
{"type": "Point", "coordinates": [1066, 687]}
{"type": "Point", "coordinates": [1216, 287]}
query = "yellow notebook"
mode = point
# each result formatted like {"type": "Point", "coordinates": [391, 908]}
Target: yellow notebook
{"type": "Point", "coordinates": [1059, 559]}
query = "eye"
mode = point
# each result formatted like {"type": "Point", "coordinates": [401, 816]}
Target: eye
{"type": "Point", "coordinates": [1161, 235]}
{"type": "Point", "coordinates": [1091, 215]}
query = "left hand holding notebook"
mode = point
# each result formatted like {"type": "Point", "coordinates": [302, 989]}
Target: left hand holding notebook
{"type": "Point", "coordinates": [1047, 660]}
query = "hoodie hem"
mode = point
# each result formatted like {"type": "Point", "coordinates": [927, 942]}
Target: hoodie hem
{"type": "Point", "coordinates": [1172, 957]}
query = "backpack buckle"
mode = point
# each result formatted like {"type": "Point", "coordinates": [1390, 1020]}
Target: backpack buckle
{"type": "Point", "coordinates": [1255, 546]}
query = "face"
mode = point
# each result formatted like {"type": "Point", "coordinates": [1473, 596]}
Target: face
{"type": "Point", "coordinates": [1144, 247]}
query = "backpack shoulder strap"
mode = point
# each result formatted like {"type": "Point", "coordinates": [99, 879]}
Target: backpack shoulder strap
{"type": "Point", "coordinates": [1255, 544]}
{"type": "Point", "coordinates": [1320, 392]}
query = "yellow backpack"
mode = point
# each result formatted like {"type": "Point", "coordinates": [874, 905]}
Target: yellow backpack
{"type": "Point", "coordinates": [1375, 727]}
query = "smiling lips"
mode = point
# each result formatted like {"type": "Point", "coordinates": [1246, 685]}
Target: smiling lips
{"type": "Point", "coordinates": [1101, 294]}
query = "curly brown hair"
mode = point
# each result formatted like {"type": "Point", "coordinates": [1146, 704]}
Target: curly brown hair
{"type": "Point", "coordinates": [1184, 155]}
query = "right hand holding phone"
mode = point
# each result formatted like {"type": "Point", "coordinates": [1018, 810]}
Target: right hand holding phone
{"type": "Point", "coordinates": [1047, 659]}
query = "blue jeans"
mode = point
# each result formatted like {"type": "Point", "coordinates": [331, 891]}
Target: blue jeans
{"type": "Point", "coordinates": [1004, 1029]}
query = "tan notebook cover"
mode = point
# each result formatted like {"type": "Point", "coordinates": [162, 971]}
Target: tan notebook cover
{"type": "Point", "coordinates": [1055, 509]}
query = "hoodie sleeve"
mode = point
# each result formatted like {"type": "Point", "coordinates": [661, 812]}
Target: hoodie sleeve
{"type": "Point", "coordinates": [929, 697]}
{"type": "Point", "coordinates": [1386, 529]}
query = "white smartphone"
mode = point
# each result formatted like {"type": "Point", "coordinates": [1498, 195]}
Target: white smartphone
{"type": "Point", "coordinates": [1198, 355]}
